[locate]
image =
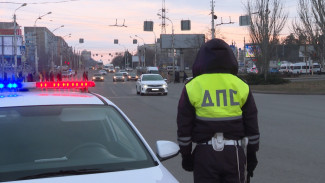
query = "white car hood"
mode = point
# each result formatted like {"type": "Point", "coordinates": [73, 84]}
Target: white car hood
{"type": "Point", "coordinates": [161, 82]}
{"type": "Point", "coordinates": [158, 174]}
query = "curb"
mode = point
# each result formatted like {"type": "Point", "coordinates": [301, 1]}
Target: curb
{"type": "Point", "coordinates": [286, 93]}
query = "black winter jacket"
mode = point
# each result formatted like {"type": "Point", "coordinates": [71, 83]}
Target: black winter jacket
{"type": "Point", "coordinates": [215, 56]}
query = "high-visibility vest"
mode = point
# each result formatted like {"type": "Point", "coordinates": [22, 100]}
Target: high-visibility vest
{"type": "Point", "coordinates": [217, 96]}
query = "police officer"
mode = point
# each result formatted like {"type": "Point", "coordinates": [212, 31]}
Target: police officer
{"type": "Point", "coordinates": [216, 111]}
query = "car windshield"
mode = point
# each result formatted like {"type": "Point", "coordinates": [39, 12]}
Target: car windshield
{"type": "Point", "coordinates": [118, 74]}
{"type": "Point", "coordinates": [133, 74]}
{"type": "Point", "coordinates": [43, 140]}
{"type": "Point", "coordinates": [152, 77]}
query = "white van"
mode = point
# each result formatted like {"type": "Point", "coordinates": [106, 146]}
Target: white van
{"type": "Point", "coordinates": [152, 70]}
{"type": "Point", "coordinates": [301, 68]}
{"type": "Point", "coordinates": [286, 69]}
{"type": "Point", "coordinates": [317, 68]}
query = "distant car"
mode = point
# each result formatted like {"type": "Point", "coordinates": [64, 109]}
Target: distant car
{"type": "Point", "coordinates": [133, 76]}
{"type": "Point", "coordinates": [66, 74]}
{"type": "Point", "coordinates": [129, 69]}
{"type": "Point", "coordinates": [273, 71]}
{"type": "Point", "coordinates": [253, 70]}
{"type": "Point", "coordinates": [125, 73]}
{"type": "Point", "coordinates": [151, 83]}
{"type": "Point", "coordinates": [118, 76]}
{"type": "Point", "coordinates": [286, 69]}
{"type": "Point", "coordinates": [98, 77]}
{"type": "Point", "coordinates": [111, 69]}
{"type": "Point", "coordinates": [102, 72]}
{"type": "Point", "coordinates": [188, 79]}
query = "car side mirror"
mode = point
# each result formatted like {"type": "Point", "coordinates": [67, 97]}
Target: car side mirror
{"type": "Point", "coordinates": [165, 80]}
{"type": "Point", "coordinates": [166, 149]}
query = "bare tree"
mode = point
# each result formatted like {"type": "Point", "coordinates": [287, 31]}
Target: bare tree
{"type": "Point", "coordinates": [311, 27]}
{"type": "Point", "coordinates": [267, 19]}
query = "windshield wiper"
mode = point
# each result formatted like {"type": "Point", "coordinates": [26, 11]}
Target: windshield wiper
{"type": "Point", "coordinates": [66, 172]}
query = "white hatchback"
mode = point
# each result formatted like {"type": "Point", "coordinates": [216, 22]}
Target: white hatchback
{"type": "Point", "coordinates": [67, 136]}
{"type": "Point", "coordinates": [151, 83]}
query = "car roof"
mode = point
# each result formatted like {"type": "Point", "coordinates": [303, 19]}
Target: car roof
{"type": "Point", "coordinates": [36, 97]}
{"type": "Point", "coordinates": [150, 74]}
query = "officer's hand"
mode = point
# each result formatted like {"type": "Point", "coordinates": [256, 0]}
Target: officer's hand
{"type": "Point", "coordinates": [187, 163]}
{"type": "Point", "coordinates": [251, 163]}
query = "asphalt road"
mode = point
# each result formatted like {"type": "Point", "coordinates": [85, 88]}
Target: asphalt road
{"type": "Point", "coordinates": [292, 130]}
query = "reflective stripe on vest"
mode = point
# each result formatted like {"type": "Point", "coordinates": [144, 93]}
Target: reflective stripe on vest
{"type": "Point", "coordinates": [217, 97]}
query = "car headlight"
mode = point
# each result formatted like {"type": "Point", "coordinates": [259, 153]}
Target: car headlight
{"type": "Point", "coordinates": [101, 77]}
{"type": "Point", "coordinates": [94, 78]}
{"type": "Point", "coordinates": [145, 86]}
{"type": "Point", "coordinates": [114, 77]}
{"type": "Point", "coordinates": [164, 85]}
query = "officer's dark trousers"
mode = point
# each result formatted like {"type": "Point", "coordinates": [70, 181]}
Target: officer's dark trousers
{"type": "Point", "coordinates": [218, 167]}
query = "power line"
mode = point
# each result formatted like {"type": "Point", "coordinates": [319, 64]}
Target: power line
{"type": "Point", "coordinates": [65, 1]}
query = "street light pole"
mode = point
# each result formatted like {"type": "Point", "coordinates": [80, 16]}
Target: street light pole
{"type": "Point", "coordinates": [144, 58]}
{"type": "Point", "coordinates": [155, 64]}
{"type": "Point", "coordinates": [36, 58]}
{"type": "Point", "coordinates": [57, 28]}
{"type": "Point", "coordinates": [52, 59]}
{"type": "Point", "coordinates": [125, 56]}
{"type": "Point", "coordinates": [15, 40]}
{"type": "Point", "coordinates": [173, 45]}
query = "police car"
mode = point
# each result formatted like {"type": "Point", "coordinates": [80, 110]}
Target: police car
{"type": "Point", "coordinates": [56, 133]}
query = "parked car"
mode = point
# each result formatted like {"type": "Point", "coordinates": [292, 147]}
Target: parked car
{"type": "Point", "coordinates": [286, 69]}
{"type": "Point", "coordinates": [273, 71]}
{"type": "Point", "coordinates": [301, 68]}
{"type": "Point", "coordinates": [253, 70]}
{"type": "Point", "coordinates": [72, 135]}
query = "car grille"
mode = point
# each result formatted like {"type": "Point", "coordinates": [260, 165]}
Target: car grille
{"type": "Point", "coordinates": [155, 85]}
{"type": "Point", "coordinates": [152, 90]}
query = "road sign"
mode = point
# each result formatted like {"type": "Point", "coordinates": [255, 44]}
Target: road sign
{"type": "Point", "coordinates": [148, 26]}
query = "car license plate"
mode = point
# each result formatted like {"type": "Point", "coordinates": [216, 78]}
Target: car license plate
{"type": "Point", "coordinates": [155, 89]}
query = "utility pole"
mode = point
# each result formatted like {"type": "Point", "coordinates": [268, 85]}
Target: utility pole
{"type": "Point", "coordinates": [245, 55]}
{"type": "Point", "coordinates": [163, 18]}
{"type": "Point", "coordinates": [213, 16]}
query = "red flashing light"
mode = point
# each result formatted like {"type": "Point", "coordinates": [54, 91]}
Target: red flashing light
{"type": "Point", "coordinates": [65, 84]}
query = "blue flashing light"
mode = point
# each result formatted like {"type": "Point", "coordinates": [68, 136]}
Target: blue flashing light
{"type": "Point", "coordinates": [10, 85]}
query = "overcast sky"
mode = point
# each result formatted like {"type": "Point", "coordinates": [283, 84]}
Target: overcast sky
{"type": "Point", "coordinates": [91, 20]}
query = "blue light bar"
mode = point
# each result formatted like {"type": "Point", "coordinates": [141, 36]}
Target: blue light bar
{"type": "Point", "coordinates": [10, 85]}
